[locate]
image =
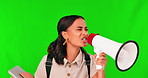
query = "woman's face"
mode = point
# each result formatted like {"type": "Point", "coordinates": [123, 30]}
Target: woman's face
{"type": "Point", "coordinates": [77, 33]}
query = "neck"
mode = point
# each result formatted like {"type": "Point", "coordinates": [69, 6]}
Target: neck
{"type": "Point", "coordinates": [72, 53]}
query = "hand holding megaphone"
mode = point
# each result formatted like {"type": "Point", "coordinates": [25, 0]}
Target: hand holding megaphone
{"type": "Point", "coordinates": [98, 52]}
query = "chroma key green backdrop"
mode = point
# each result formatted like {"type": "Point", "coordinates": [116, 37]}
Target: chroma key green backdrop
{"type": "Point", "coordinates": [28, 26]}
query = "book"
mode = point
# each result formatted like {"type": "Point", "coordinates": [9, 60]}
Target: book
{"type": "Point", "coordinates": [15, 72]}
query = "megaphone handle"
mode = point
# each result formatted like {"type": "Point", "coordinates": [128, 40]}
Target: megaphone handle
{"type": "Point", "coordinates": [97, 51]}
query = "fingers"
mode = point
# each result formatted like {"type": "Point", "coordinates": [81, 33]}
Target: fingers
{"type": "Point", "coordinates": [102, 60]}
{"type": "Point", "coordinates": [26, 75]}
{"type": "Point", "coordinates": [102, 54]}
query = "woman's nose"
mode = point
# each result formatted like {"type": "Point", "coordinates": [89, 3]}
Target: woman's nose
{"type": "Point", "coordinates": [85, 33]}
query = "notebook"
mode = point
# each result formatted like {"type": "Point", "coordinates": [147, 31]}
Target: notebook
{"type": "Point", "coordinates": [15, 72]}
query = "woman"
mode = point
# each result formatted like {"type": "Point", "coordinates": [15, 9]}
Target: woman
{"type": "Point", "coordinates": [68, 54]}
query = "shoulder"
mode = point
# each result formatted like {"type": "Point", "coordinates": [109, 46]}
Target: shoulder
{"type": "Point", "coordinates": [41, 70]}
{"type": "Point", "coordinates": [44, 57]}
{"type": "Point", "coordinates": [43, 60]}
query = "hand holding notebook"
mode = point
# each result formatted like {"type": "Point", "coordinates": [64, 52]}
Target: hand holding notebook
{"type": "Point", "coordinates": [18, 72]}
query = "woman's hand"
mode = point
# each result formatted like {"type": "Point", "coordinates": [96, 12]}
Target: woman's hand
{"type": "Point", "coordinates": [25, 75]}
{"type": "Point", "coordinates": [102, 60]}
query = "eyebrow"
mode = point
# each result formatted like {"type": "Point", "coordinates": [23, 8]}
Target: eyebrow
{"type": "Point", "coordinates": [80, 27]}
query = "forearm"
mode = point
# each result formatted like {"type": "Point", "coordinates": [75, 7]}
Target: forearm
{"type": "Point", "coordinates": [101, 74]}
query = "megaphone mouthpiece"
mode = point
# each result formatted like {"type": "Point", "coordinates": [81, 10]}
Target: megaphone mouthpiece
{"type": "Point", "coordinates": [90, 37]}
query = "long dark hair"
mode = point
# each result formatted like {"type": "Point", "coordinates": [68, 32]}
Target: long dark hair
{"type": "Point", "coordinates": [56, 49]}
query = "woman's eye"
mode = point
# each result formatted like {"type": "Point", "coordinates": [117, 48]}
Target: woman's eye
{"type": "Point", "coordinates": [86, 29]}
{"type": "Point", "coordinates": [79, 29]}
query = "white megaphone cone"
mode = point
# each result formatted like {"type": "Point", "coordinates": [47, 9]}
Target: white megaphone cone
{"type": "Point", "coordinates": [125, 55]}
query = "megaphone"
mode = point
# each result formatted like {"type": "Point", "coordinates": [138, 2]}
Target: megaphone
{"type": "Point", "coordinates": [124, 54]}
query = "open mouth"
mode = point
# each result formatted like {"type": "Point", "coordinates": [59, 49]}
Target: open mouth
{"type": "Point", "coordinates": [84, 39]}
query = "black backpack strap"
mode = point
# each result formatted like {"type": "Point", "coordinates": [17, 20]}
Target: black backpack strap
{"type": "Point", "coordinates": [48, 64]}
{"type": "Point", "coordinates": [87, 59]}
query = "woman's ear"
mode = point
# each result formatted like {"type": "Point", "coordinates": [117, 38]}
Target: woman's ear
{"type": "Point", "coordinates": [64, 34]}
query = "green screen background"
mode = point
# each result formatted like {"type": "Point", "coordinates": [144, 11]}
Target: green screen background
{"type": "Point", "coordinates": [28, 26]}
